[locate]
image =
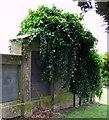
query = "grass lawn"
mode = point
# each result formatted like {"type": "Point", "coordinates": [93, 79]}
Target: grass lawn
{"type": "Point", "coordinates": [91, 111]}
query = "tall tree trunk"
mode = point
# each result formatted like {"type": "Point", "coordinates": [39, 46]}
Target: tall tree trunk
{"type": "Point", "coordinates": [74, 100]}
{"type": "Point", "coordinates": [52, 94]}
{"type": "Point", "coordinates": [79, 101]}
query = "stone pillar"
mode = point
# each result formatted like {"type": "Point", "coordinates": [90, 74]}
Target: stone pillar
{"type": "Point", "coordinates": [0, 85]}
{"type": "Point", "coordinates": [26, 71]}
{"type": "Point", "coordinates": [26, 77]}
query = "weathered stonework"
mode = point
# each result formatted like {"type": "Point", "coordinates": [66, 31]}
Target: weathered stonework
{"type": "Point", "coordinates": [11, 109]}
{"type": "Point", "coordinates": [11, 59]}
{"type": "Point", "coordinates": [15, 48]}
{"type": "Point", "coordinates": [26, 105]}
{"type": "Point", "coordinates": [26, 71]}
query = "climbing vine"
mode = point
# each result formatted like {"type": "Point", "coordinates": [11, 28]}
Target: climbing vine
{"type": "Point", "coordinates": [66, 49]}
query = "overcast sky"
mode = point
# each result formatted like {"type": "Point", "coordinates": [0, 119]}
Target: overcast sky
{"type": "Point", "coordinates": [13, 11]}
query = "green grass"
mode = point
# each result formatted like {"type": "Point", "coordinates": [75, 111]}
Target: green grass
{"type": "Point", "coordinates": [94, 111]}
{"type": "Point", "coordinates": [91, 111]}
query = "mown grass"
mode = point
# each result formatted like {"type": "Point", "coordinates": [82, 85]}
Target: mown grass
{"type": "Point", "coordinates": [91, 111]}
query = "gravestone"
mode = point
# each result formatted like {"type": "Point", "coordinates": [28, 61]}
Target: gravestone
{"type": "Point", "coordinates": [10, 83]}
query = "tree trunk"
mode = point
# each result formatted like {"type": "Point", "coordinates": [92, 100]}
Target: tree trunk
{"type": "Point", "coordinates": [52, 94]}
{"type": "Point", "coordinates": [91, 99]}
{"type": "Point", "coordinates": [79, 101]}
{"type": "Point", "coordinates": [74, 100]}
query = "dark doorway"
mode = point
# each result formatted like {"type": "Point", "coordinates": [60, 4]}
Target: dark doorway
{"type": "Point", "coordinates": [38, 86]}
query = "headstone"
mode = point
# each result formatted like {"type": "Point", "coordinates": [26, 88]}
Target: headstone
{"type": "Point", "coordinates": [10, 83]}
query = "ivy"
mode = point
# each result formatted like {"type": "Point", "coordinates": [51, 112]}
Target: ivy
{"type": "Point", "coordinates": [66, 49]}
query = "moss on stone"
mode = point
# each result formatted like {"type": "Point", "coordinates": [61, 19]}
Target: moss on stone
{"type": "Point", "coordinates": [63, 100]}
{"type": "Point", "coordinates": [28, 107]}
{"type": "Point", "coordinates": [46, 101]}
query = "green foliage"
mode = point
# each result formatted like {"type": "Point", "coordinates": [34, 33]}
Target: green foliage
{"type": "Point", "coordinates": [102, 9]}
{"type": "Point", "coordinates": [66, 49]}
{"type": "Point", "coordinates": [87, 77]}
{"type": "Point", "coordinates": [105, 70]}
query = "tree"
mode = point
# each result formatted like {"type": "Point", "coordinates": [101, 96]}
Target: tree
{"type": "Point", "coordinates": [105, 70]}
{"type": "Point", "coordinates": [85, 5]}
{"type": "Point", "coordinates": [102, 8]}
{"type": "Point", "coordinates": [66, 50]}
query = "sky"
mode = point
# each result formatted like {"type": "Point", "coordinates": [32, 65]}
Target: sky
{"type": "Point", "coordinates": [14, 11]}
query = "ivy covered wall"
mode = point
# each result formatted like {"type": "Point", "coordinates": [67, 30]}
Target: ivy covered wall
{"type": "Point", "coordinates": [67, 50]}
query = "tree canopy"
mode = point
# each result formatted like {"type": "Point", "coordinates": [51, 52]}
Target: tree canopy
{"type": "Point", "coordinates": [102, 8]}
{"type": "Point", "coordinates": [105, 69]}
{"type": "Point", "coordinates": [66, 49]}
